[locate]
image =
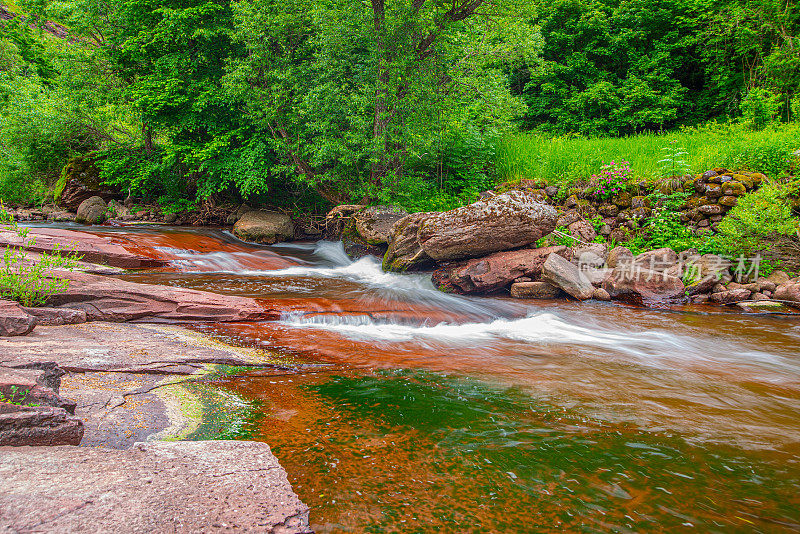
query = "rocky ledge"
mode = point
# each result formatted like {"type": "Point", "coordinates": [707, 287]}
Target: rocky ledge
{"type": "Point", "coordinates": [208, 486]}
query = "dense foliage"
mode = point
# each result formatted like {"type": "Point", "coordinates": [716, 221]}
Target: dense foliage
{"type": "Point", "coordinates": [302, 103]}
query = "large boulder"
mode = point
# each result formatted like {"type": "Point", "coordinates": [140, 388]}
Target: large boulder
{"type": "Point", "coordinates": [702, 273]}
{"type": "Point", "coordinates": [565, 275]}
{"type": "Point", "coordinates": [374, 224]}
{"type": "Point", "coordinates": [788, 291]}
{"type": "Point", "coordinates": [405, 251]}
{"type": "Point", "coordinates": [80, 180]}
{"type": "Point", "coordinates": [507, 221]}
{"type": "Point", "coordinates": [264, 226]}
{"type": "Point", "coordinates": [92, 211]}
{"type": "Point", "coordinates": [482, 275]}
{"type": "Point", "coordinates": [15, 321]}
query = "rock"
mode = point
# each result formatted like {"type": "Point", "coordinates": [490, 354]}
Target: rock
{"type": "Point", "coordinates": [236, 215]}
{"type": "Point", "coordinates": [766, 285]}
{"type": "Point", "coordinates": [563, 274]}
{"type": "Point", "coordinates": [699, 299]}
{"type": "Point", "coordinates": [620, 235]}
{"type": "Point", "coordinates": [264, 226]}
{"type": "Point", "coordinates": [589, 253]}
{"type": "Point", "coordinates": [609, 210]}
{"type": "Point", "coordinates": [702, 273]}
{"type": "Point", "coordinates": [789, 291]}
{"type": "Point", "coordinates": [658, 260]}
{"type": "Point", "coordinates": [15, 321]}
{"type": "Point", "coordinates": [759, 296]}
{"type": "Point", "coordinates": [182, 486]}
{"type": "Point", "coordinates": [640, 202]}
{"type": "Point", "coordinates": [92, 211]}
{"type": "Point", "coordinates": [56, 316]}
{"type": "Point", "coordinates": [778, 277]}
{"type": "Point", "coordinates": [534, 290]}
{"type": "Point", "coordinates": [374, 224]}
{"type": "Point", "coordinates": [618, 256]}
{"type": "Point", "coordinates": [405, 251]}
{"type": "Point", "coordinates": [482, 275]}
{"type": "Point", "coordinates": [638, 285]}
{"type": "Point", "coordinates": [170, 218]}
{"type": "Point", "coordinates": [731, 295]}
{"type": "Point", "coordinates": [710, 209]}
{"type": "Point", "coordinates": [764, 306]}
{"type": "Point", "coordinates": [583, 230]}
{"type": "Point", "coordinates": [92, 248]}
{"type": "Point", "coordinates": [507, 221]}
{"type": "Point", "coordinates": [728, 201]}
{"type": "Point", "coordinates": [551, 191]}
{"type": "Point", "coordinates": [713, 191]}
{"type": "Point", "coordinates": [109, 299]}
{"type": "Point", "coordinates": [80, 180]}
{"type": "Point", "coordinates": [36, 426]}
{"type": "Point", "coordinates": [601, 294]}
{"type": "Point", "coordinates": [34, 384]}
{"type": "Point", "coordinates": [605, 230]}
{"type": "Point", "coordinates": [568, 217]}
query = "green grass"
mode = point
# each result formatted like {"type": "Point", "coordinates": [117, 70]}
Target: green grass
{"type": "Point", "coordinates": [571, 159]}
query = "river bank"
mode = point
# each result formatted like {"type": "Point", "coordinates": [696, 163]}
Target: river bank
{"type": "Point", "coordinates": [390, 389]}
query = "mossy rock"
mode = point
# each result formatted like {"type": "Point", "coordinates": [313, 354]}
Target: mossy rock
{"type": "Point", "coordinates": [79, 181]}
{"type": "Point", "coordinates": [734, 189]}
{"type": "Point", "coordinates": [623, 200]}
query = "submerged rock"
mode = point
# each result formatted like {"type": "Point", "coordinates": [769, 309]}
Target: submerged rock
{"type": "Point", "coordinates": [507, 221]}
{"type": "Point", "coordinates": [262, 226]}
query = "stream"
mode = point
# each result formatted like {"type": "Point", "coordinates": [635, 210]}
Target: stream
{"type": "Point", "coordinates": [443, 413]}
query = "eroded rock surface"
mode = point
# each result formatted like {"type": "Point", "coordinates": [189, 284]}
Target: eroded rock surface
{"type": "Point", "coordinates": [374, 224]}
{"type": "Point", "coordinates": [503, 222]}
{"type": "Point", "coordinates": [110, 299]}
{"type": "Point", "coordinates": [205, 486]}
{"type": "Point", "coordinates": [14, 320]}
{"type": "Point", "coordinates": [405, 250]}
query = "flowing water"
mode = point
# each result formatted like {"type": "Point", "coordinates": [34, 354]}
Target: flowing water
{"type": "Point", "coordinates": [436, 412]}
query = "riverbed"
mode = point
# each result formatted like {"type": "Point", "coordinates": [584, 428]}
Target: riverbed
{"type": "Point", "coordinates": [445, 413]}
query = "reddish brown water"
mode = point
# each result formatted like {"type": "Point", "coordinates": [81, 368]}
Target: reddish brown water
{"type": "Point", "coordinates": [446, 413]}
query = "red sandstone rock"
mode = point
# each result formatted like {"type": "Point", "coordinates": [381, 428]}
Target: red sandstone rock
{"type": "Point", "coordinates": [38, 425]}
{"type": "Point", "coordinates": [643, 286]}
{"type": "Point", "coordinates": [111, 299]}
{"type": "Point", "coordinates": [497, 270]}
{"type": "Point", "coordinates": [14, 321]}
{"type": "Point", "coordinates": [95, 249]}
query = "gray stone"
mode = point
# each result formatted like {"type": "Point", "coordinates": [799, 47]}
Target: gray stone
{"type": "Point", "coordinates": [565, 275]}
{"type": "Point", "coordinates": [205, 486]}
{"type": "Point", "coordinates": [92, 211]}
{"type": "Point", "coordinates": [264, 226]}
{"type": "Point", "coordinates": [374, 224]}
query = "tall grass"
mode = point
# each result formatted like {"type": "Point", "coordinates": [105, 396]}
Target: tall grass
{"type": "Point", "coordinates": [571, 159]}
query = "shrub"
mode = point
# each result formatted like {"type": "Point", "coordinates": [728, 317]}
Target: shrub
{"type": "Point", "coordinates": [31, 283]}
{"type": "Point", "coordinates": [612, 179]}
{"type": "Point", "coordinates": [762, 223]}
{"type": "Point", "coordinates": [759, 107]}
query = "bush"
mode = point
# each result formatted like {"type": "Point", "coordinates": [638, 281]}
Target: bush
{"type": "Point", "coordinates": [759, 107]}
{"type": "Point", "coordinates": [760, 221]}
{"type": "Point", "coordinates": [31, 283]}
